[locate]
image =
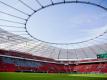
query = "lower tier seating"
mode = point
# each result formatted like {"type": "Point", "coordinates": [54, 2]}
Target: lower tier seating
{"type": "Point", "coordinates": [9, 64]}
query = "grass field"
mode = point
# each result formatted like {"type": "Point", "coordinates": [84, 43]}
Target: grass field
{"type": "Point", "coordinates": [47, 76]}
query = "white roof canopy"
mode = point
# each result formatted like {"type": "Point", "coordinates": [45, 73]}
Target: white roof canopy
{"type": "Point", "coordinates": [14, 35]}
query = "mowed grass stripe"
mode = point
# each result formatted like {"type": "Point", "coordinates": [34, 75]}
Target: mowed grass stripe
{"type": "Point", "coordinates": [45, 76]}
{"type": "Point", "coordinates": [90, 75]}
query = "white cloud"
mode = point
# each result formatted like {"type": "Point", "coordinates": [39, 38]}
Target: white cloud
{"type": "Point", "coordinates": [97, 31]}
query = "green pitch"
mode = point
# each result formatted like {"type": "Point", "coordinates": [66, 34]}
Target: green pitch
{"type": "Point", "coordinates": [50, 76]}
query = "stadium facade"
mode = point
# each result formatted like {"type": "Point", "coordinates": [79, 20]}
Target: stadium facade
{"type": "Point", "coordinates": [19, 53]}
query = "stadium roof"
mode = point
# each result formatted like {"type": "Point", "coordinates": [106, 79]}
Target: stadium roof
{"type": "Point", "coordinates": [15, 34]}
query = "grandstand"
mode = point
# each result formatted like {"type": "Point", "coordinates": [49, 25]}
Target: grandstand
{"type": "Point", "coordinates": [21, 51]}
{"type": "Point", "coordinates": [29, 63]}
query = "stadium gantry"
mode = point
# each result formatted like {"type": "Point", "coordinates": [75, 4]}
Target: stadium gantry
{"type": "Point", "coordinates": [14, 33]}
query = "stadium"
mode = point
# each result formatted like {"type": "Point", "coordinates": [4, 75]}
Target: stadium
{"type": "Point", "coordinates": [53, 39]}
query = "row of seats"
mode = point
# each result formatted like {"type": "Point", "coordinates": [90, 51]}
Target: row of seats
{"type": "Point", "coordinates": [5, 67]}
{"type": "Point", "coordinates": [20, 62]}
{"type": "Point", "coordinates": [92, 67]}
{"type": "Point", "coordinates": [53, 68]}
{"type": "Point", "coordinates": [9, 64]}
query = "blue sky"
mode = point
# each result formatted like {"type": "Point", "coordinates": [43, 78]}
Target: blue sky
{"type": "Point", "coordinates": [59, 24]}
{"type": "Point", "coordinates": [68, 23]}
